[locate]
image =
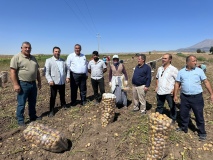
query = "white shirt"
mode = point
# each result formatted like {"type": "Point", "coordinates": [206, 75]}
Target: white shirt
{"type": "Point", "coordinates": [97, 69]}
{"type": "Point", "coordinates": [166, 79]}
{"type": "Point", "coordinates": [77, 64]}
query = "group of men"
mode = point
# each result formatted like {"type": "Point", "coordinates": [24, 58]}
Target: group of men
{"type": "Point", "coordinates": [25, 71]}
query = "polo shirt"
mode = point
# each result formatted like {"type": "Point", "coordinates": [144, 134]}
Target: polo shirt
{"type": "Point", "coordinates": [77, 63]}
{"type": "Point", "coordinates": [166, 79]}
{"type": "Point", "coordinates": [26, 67]}
{"type": "Point", "coordinates": [97, 69]}
{"type": "Point", "coordinates": [191, 80]}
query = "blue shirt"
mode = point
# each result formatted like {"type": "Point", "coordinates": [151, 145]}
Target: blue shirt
{"type": "Point", "coordinates": [191, 80]}
{"type": "Point", "coordinates": [142, 75]}
{"type": "Point", "coordinates": [77, 64]}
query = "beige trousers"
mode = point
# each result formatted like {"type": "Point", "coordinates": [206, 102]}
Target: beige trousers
{"type": "Point", "coordinates": [139, 96]}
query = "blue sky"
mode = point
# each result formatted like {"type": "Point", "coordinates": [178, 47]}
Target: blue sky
{"type": "Point", "coordinates": [124, 25]}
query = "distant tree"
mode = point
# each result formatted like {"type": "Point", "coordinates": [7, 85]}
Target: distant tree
{"type": "Point", "coordinates": [211, 50]}
{"type": "Point", "coordinates": [198, 50]}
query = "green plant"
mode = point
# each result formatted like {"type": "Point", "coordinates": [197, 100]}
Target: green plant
{"type": "Point", "coordinates": [211, 50]}
{"type": "Point", "coordinates": [201, 59]}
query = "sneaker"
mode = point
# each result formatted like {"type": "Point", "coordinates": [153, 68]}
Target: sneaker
{"type": "Point", "coordinates": [51, 114]}
{"type": "Point", "coordinates": [22, 124]}
{"type": "Point", "coordinates": [143, 112]}
{"type": "Point", "coordinates": [202, 138]}
{"type": "Point", "coordinates": [35, 119]}
{"type": "Point", "coordinates": [135, 109]}
{"type": "Point", "coordinates": [84, 103]}
{"type": "Point", "coordinates": [180, 130]}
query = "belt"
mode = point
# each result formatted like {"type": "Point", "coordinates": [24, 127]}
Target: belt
{"type": "Point", "coordinates": [28, 81]}
{"type": "Point", "coordinates": [195, 95]}
{"type": "Point", "coordinates": [78, 73]}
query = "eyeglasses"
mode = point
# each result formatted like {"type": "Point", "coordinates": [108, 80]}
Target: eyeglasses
{"type": "Point", "coordinates": [161, 74]}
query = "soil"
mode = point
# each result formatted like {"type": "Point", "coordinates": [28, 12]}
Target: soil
{"type": "Point", "coordinates": [126, 138]}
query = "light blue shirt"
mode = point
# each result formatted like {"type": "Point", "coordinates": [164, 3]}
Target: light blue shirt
{"type": "Point", "coordinates": [59, 63]}
{"type": "Point", "coordinates": [77, 64]}
{"type": "Point", "coordinates": [191, 80]}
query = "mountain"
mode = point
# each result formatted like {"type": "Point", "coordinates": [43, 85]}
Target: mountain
{"type": "Point", "coordinates": [204, 45]}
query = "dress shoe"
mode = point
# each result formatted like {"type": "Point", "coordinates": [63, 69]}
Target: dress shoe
{"type": "Point", "coordinates": [36, 118]}
{"type": "Point", "coordinates": [180, 130]}
{"type": "Point", "coordinates": [51, 114]}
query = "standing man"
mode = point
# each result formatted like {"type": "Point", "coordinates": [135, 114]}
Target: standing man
{"type": "Point", "coordinates": [190, 78]}
{"type": "Point", "coordinates": [140, 83]}
{"type": "Point", "coordinates": [77, 64]}
{"type": "Point", "coordinates": [24, 72]}
{"type": "Point", "coordinates": [56, 74]}
{"type": "Point", "coordinates": [165, 81]}
{"type": "Point", "coordinates": [97, 68]}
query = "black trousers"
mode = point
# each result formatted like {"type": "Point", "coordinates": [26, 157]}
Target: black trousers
{"type": "Point", "coordinates": [98, 83]}
{"type": "Point", "coordinates": [78, 81]}
{"type": "Point", "coordinates": [160, 105]}
{"type": "Point", "coordinates": [196, 103]}
{"type": "Point", "coordinates": [53, 91]}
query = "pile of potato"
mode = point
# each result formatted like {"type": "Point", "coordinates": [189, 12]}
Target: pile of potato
{"type": "Point", "coordinates": [108, 109]}
{"type": "Point", "coordinates": [42, 73]}
{"type": "Point", "coordinates": [159, 131]}
{"type": "Point", "coordinates": [45, 137]}
{"type": "Point", "coordinates": [4, 76]}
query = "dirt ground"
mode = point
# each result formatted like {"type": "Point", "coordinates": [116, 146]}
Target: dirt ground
{"type": "Point", "coordinates": [124, 139]}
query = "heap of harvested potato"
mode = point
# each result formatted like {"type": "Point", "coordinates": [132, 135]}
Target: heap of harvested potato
{"type": "Point", "coordinates": [108, 109]}
{"type": "Point", "coordinates": [159, 131]}
{"type": "Point", "coordinates": [45, 137]}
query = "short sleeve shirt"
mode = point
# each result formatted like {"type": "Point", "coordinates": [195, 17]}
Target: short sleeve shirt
{"type": "Point", "coordinates": [191, 80]}
{"type": "Point", "coordinates": [166, 79]}
{"type": "Point", "coordinates": [26, 67]}
{"type": "Point", "coordinates": [97, 69]}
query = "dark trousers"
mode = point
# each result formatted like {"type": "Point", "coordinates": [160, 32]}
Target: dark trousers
{"type": "Point", "coordinates": [95, 84]}
{"type": "Point", "coordinates": [196, 103]}
{"type": "Point", "coordinates": [160, 105]}
{"type": "Point", "coordinates": [78, 81]}
{"type": "Point", "coordinates": [53, 91]}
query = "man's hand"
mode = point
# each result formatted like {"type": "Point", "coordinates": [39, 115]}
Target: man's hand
{"type": "Point", "coordinates": [110, 84]}
{"type": "Point", "coordinates": [67, 80]}
{"type": "Point", "coordinates": [156, 89]}
{"type": "Point", "coordinates": [125, 83]}
{"type": "Point", "coordinates": [211, 98]}
{"type": "Point", "coordinates": [146, 89]}
{"type": "Point", "coordinates": [175, 99]}
{"type": "Point", "coordinates": [17, 88]}
{"type": "Point", "coordinates": [51, 83]}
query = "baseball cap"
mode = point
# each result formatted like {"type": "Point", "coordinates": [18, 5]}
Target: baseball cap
{"type": "Point", "coordinates": [115, 56]}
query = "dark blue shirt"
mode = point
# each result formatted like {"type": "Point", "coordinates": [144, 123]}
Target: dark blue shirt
{"type": "Point", "coordinates": [142, 75]}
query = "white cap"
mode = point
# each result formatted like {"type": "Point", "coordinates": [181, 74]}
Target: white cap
{"type": "Point", "coordinates": [115, 56]}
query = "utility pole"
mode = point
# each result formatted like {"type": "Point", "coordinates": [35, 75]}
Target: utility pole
{"type": "Point", "coordinates": [98, 37]}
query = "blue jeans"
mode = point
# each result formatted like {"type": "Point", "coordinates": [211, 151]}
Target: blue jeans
{"type": "Point", "coordinates": [28, 93]}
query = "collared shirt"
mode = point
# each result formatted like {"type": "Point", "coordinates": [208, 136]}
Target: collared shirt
{"type": "Point", "coordinates": [191, 80]}
{"type": "Point", "coordinates": [97, 69]}
{"type": "Point", "coordinates": [77, 64]}
{"type": "Point", "coordinates": [59, 63]}
{"type": "Point", "coordinates": [166, 79]}
{"type": "Point", "coordinates": [27, 68]}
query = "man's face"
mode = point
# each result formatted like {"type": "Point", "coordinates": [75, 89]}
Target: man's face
{"type": "Point", "coordinates": [26, 49]}
{"type": "Point", "coordinates": [166, 60]}
{"type": "Point", "coordinates": [56, 53]}
{"type": "Point", "coordinates": [140, 61]}
{"type": "Point", "coordinates": [192, 62]}
{"type": "Point", "coordinates": [77, 50]}
{"type": "Point", "coordinates": [95, 57]}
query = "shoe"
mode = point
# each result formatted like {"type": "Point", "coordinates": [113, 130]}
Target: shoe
{"type": "Point", "coordinates": [35, 119]}
{"type": "Point", "coordinates": [135, 109]}
{"type": "Point", "coordinates": [202, 138]}
{"type": "Point", "coordinates": [72, 104]}
{"type": "Point", "coordinates": [64, 106]}
{"type": "Point", "coordinates": [143, 112]}
{"type": "Point", "coordinates": [22, 124]}
{"type": "Point", "coordinates": [180, 130]}
{"type": "Point", "coordinates": [84, 103]}
{"type": "Point", "coordinates": [51, 114]}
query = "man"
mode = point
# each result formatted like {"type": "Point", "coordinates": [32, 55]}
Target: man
{"type": "Point", "coordinates": [56, 74]}
{"type": "Point", "coordinates": [77, 64]}
{"type": "Point", "coordinates": [165, 81]}
{"type": "Point", "coordinates": [140, 84]}
{"type": "Point", "coordinates": [118, 80]}
{"type": "Point", "coordinates": [189, 78]}
{"type": "Point", "coordinates": [97, 68]}
{"type": "Point", "coordinates": [24, 72]}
